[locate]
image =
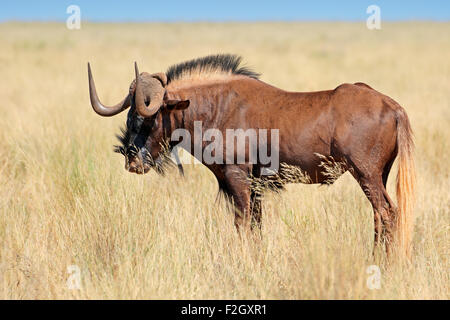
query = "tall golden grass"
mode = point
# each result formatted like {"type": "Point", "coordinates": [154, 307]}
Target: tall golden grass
{"type": "Point", "coordinates": [66, 200]}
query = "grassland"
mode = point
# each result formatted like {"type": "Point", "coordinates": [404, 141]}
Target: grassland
{"type": "Point", "coordinates": [65, 198]}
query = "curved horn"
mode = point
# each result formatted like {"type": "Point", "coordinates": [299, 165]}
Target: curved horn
{"type": "Point", "coordinates": [98, 107]}
{"type": "Point", "coordinates": [141, 108]}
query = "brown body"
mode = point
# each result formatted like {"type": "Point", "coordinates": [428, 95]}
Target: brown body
{"type": "Point", "coordinates": [313, 122]}
{"type": "Point", "coordinates": [353, 125]}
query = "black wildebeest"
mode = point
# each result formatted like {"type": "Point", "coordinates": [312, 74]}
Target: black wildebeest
{"type": "Point", "coordinates": [354, 125]}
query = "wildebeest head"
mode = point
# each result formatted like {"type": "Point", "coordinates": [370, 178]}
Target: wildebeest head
{"type": "Point", "coordinates": [144, 137]}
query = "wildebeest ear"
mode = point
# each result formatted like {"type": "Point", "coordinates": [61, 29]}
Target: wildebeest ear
{"type": "Point", "coordinates": [161, 77]}
{"type": "Point", "coordinates": [177, 104]}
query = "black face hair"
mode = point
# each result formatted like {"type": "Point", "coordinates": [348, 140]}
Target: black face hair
{"type": "Point", "coordinates": [128, 149]}
{"type": "Point", "coordinates": [124, 139]}
{"type": "Point", "coordinates": [224, 62]}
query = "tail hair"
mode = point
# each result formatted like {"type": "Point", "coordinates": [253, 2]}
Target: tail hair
{"type": "Point", "coordinates": [406, 183]}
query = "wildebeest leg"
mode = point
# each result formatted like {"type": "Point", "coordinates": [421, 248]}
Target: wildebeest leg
{"type": "Point", "coordinates": [389, 218]}
{"type": "Point", "coordinates": [383, 210]}
{"type": "Point", "coordinates": [255, 209]}
{"type": "Point", "coordinates": [375, 197]}
{"type": "Point", "coordinates": [238, 188]}
{"type": "Point", "coordinates": [389, 215]}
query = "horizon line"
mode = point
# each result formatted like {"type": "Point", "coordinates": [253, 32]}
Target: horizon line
{"type": "Point", "coordinates": [217, 20]}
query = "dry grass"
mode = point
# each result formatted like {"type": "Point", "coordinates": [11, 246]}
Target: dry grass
{"type": "Point", "coordinates": [65, 198]}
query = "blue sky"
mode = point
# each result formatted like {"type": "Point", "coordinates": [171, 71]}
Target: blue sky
{"type": "Point", "coordinates": [224, 10]}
